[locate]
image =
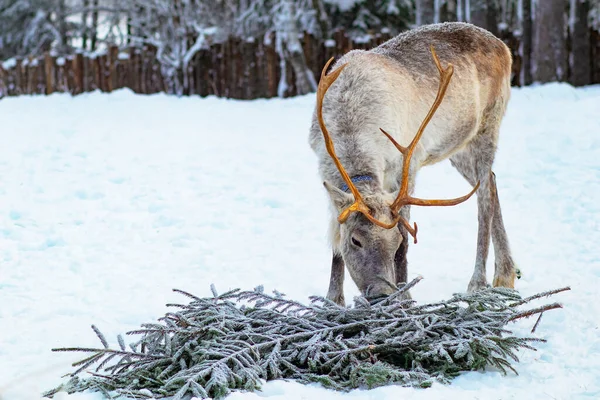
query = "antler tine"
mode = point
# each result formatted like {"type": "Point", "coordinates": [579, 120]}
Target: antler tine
{"type": "Point", "coordinates": [400, 148]}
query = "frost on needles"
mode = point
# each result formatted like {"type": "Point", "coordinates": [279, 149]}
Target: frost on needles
{"type": "Point", "coordinates": [239, 339]}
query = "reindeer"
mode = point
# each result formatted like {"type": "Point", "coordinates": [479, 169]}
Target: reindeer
{"type": "Point", "coordinates": [369, 106]}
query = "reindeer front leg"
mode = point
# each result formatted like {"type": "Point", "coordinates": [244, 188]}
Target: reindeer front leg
{"type": "Point", "coordinates": [336, 281]}
{"type": "Point", "coordinates": [400, 259]}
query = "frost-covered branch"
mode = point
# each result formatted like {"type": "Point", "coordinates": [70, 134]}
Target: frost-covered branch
{"type": "Point", "coordinates": [238, 339]}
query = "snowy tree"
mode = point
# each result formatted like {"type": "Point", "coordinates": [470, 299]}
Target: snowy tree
{"type": "Point", "coordinates": [526, 40]}
{"type": "Point", "coordinates": [461, 14]}
{"type": "Point", "coordinates": [359, 17]}
{"type": "Point", "coordinates": [448, 10]}
{"type": "Point", "coordinates": [507, 14]}
{"type": "Point", "coordinates": [549, 44]}
{"type": "Point", "coordinates": [287, 19]}
{"type": "Point", "coordinates": [322, 17]}
{"type": "Point", "coordinates": [27, 27]}
{"type": "Point", "coordinates": [84, 21]}
{"type": "Point", "coordinates": [484, 13]}
{"type": "Point", "coordinates": [425, 10]}
{"type": "Point", "coordinates": [594, 15]}
{"type": "Point", "coordinates": [289, 48]}
{"type": "Point", "coordinates": [580, 42]}
{"type": "Point", "coordinates": [177, 28]}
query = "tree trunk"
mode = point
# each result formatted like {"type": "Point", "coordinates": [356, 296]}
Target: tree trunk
{"type": "Point", "coordinates": [94, 32]}
{"type": "Point", "coordinates": [61, 16]}
{"type": "Point", "coordinates": [322, 19]}
{"type": "Point", "coordinates": [290, 49]}
{"type": "Point", "coordinates": [84, 25]}
{"type": "Point", "coordinates": [425, 12]}
{"type": "Point", "coordinates": [305, 81]}
{"type": "Point", "coordinates": [526, 41]}
{"type": "Point", "coordinates": [129, 30]}
{"type": "Point", "coordinates": [580, 43]}
{"type": "Point", "coordinates": [448, 11]}
{"type": "Point", "coordinates": [484, 13]}
{"type": "Point", "coordinates": [549, 55]}
{"type": "Point", "coordinates": [461, 14]}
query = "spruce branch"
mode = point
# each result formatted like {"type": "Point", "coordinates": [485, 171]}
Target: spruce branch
{"type": "Point", "coordinates": [535, 311]}
{"type": "Point", "coordinates": [537, 322]}
{"type": "Point", "coordinates": [238, 339]}
{"type": "Point", "coordinates": [540, 295]}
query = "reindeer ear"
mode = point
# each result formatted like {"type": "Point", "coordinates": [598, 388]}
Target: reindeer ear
{"type": "Point", "coordinates": [340, 198]}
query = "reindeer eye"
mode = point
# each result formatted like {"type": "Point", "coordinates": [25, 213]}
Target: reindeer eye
{"type": "Point", "coordinates": [356, 242]}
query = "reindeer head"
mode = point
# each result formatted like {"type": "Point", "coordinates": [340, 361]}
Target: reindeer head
{"type": "Point", "coordinates": [368, 224]}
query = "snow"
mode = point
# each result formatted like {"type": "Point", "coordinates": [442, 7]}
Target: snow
{"type": "Point", "coordinates": [9, 64]}
{"type": "Point", "coordinates": [343, 5]}
{"type": "Point", "coordinates": [108, 201]}
{"type": "Point", "coordinates": [363, 38]}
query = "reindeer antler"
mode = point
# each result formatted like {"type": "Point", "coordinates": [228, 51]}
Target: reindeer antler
{"type": "Point", "coordinates": [358, 205]}
{"type": "Point", "coordinates": [403, 197]}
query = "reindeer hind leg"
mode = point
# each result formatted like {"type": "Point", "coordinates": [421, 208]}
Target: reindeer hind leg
{"type": "Point", "coordinates": [505, 272]}
{"type": "Point", "coordinates": [475, 163]}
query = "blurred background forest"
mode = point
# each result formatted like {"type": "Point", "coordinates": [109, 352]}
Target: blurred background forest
{"type": "Point", "coordinates": [264, 48]}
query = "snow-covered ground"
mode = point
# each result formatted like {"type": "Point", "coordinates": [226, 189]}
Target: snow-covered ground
{"type": "Point", "coordinates": [108, 201]}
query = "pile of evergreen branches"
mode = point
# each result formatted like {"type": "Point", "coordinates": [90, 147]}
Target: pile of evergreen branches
{"type": "Point", "coordinates": [238, 339]}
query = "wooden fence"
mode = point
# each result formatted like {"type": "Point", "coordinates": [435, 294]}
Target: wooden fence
{"type": "Point", "coordinates": [240, 69]}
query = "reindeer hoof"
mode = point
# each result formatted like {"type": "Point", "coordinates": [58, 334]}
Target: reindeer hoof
{"type": "Point", "coordinates": [477, 285]}
{"type": "Point", "coordinates": [505, 281]}
{"type": "Point", "coordinates": [506, 273]}
{"type": "Point", "coordinates": [339, 300]}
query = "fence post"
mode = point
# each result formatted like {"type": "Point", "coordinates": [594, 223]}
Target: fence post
{"type": "Point", "coordinates": [63, 75]}
{"type": "Point", "coordinates": [250, 82]}
{"type": "Point", "coordinates": [30, 73]}
{"type": "Point", "coordinates": [48, 71]}
{"type": "Point", "coordinates": [239, 68]}
{"type": "Point", "coordinates": [19, 76]}
{"type": "Point", "coordinates": [11, 81]}
{"type": "Point", "coordinates": [260, 90]}
{"type": "Point", "coordinates": [112, 59]}
{"type": "Point", "coordinates": [595, 55]}
{"type": "Point", "coordinates": [272, 66]}
{"type": "Point", "coordinates": [3, 83]}
{"type": "Point", "coordinates": [226, 68]}
{"type": "Point", "coordinates": [78, 73]}
{"type": "Point", "coordinates": [203, 67]}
